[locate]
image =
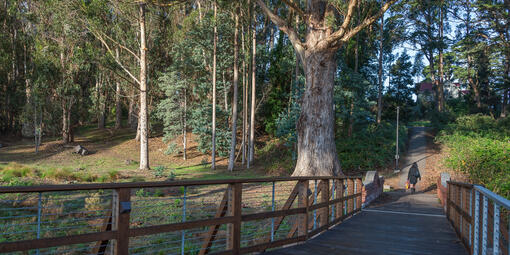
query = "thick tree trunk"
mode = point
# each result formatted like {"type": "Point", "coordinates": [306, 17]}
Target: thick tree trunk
{"type": "Point", "coordinates": [251, 149]}
{"type": "Point", "coordinates": [234, 100]}
{"type": "Point", "coordinates": [317, 155]}
{"type": "Point", "coordinates": [144, 138]}
{"type": "Point", "coordinates": [213, 152]}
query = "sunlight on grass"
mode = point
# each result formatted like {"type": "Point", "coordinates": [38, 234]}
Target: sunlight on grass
{"type": "Point", "coordinates": [19, 174]}
{"type": "Point", "coordinates": [419, 123]}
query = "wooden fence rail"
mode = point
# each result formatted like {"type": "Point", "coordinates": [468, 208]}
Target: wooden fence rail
{"type": "Point", "coordinates": [245, 215]}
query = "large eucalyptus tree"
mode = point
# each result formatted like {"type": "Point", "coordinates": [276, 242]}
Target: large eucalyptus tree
{"type": "Point", "coordinates": [328, 26]}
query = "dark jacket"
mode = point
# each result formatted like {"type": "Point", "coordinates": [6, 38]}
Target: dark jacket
{"type": "Point", "coordinates": [413, 174]}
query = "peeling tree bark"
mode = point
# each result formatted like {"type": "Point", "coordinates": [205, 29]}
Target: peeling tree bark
{"type": "Point", "coordinates": [317, 153]}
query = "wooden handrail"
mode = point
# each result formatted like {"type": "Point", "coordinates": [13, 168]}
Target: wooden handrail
{"type": "Point", "coordinates": [133, 185]}
{"type": "Point", "coordinates": [229, 212]}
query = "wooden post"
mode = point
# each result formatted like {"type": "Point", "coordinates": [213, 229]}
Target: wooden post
{"type": "Point", "coordinates": [339, 211]}
{"type": "Point", "coordinates": [448, 190]}
{"type": "Point", "coordinates": [121, 220]}
{"type": "Point", "coordinates": [324, 212]}
{"type": "Point", "coordinates": [303, 203]}
{"type": "Point", "coordinates": [350, 188]}
{"type": "Point", "coordinates": [359, 190]}
{"type": "Point", "coordinates": [234, 209]}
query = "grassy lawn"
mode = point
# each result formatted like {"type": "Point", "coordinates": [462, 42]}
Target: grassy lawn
{"type": "Point", "coordinates": [114, 156]}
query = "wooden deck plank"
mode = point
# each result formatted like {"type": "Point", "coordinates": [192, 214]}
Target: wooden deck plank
{"type": "Point", "coordinates": [374, 232]}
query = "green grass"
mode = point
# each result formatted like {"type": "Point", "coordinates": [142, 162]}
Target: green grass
{"type": "Point", "coordinates": [420, 123]}
{"type": "Point", "coordinates": [14, 174]}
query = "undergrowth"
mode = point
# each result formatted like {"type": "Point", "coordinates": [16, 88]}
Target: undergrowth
{"type": "Point", "coordinates": [479, 146]}
{"type": "Point", "coordinates": [15, 174]}
{"type": "Point", "coordinates": [370, 148]}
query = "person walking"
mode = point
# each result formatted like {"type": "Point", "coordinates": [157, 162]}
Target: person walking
{"type": "Point", "coordinates": [413, 176]}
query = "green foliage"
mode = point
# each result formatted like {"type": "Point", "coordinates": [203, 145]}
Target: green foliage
{"type": "Point", "coordinates": [440, 119]}
{"type": "Point", "coordinates": [478, 146]}
{"type": "Point", "coordinates": [370, 148]}
{"type": "Point", "coordinates": [286, 122]}
{"type": "Point", "coordinates": [158, 171]}
{"type": "Point", "coordinates": [201, 126]}
{"type": "Point", "coordinates": [171, 109]}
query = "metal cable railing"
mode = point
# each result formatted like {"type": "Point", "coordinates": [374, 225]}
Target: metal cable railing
{"type": "Point", "coordinates": [480, 217]}
{"type": "Point", "coordinates": [181, 217]}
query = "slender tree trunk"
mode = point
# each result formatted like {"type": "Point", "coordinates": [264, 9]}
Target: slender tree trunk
{"type": "Point", "coordinates": [506, 96]}
{"type": "Point", "coordinates": [471, 81]}
{"type": "Point", "coordinates": [315, 126]}
{"type": "Point", "coordinates": [505, 103]}
{"type": "Point", "coordinates": [133, 114]}
{"type": "Point", "coordinates": [271, 38]}
{"type": "Point", "coordinates": [225, 90]}
{"type": "Point", "coordinates": [213, 156]}
{"type": "Point", "coordinates": [144, 139]}
{"type": "Point", "coordinates": [118, 106]}
{"type": "Point", "coordinates": [27, 128]}
{"type": "Point", "coordinates": [184, 126]}
{"type": "Point", "coordinates": [251, 149]}
{"type": "Point", "coordinates": [66, 137]}
{"type": "Point", "coordinates": [101, 96]}
{"type": "Point", "coordinates": [245, 104]}
{"type": "Point", "coordinates": [37, 137]}
{"type": "Point", "coordinates": [473, 84]}
{"type": "Point", "coordinates": [441, 104]}
{"type": "Point", "coordinates": [234, 100]}
{"type": "Point", "coordinates": [379, 88]}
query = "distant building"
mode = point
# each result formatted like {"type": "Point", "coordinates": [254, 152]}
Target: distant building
{"type": "Point", "coordinates": [425, 92]}
{"type": "Point", "coordinates": [452, 90]}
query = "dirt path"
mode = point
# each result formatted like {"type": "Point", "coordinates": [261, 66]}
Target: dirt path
{"type": "Point", "coordinates": [417, 152]}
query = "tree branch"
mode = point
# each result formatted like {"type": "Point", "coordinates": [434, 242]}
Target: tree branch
{"type": "Point", "coordinates": [114, 57]}
{"type": "Point", "coordinates": [342, 35]}
{"type": "Point", "coordinates": [295, 7]}
{"type": "Point", "coordinates": [284, 27]}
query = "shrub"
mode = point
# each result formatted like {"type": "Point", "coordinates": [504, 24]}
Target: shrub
{"type": "Point", "coordinates": [479, 146]}
{"type": "Point", "coordinates": [371, 147]}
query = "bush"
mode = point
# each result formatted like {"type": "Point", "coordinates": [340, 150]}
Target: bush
{"type": "Point", "coordinates": [439, 120]}
{"type": "Point", "coordinates": [479, 146]}
{"type": "Point", "coordinates": [370, 148]}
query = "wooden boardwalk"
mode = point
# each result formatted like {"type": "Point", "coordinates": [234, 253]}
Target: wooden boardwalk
{"type": "Point", "coordinates": [411, 224]}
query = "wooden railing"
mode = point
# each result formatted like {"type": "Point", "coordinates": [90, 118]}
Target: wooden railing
{"type": "Point", "coordinates": [480, 218]}
{"type": "Point", "coordinates": [234, 216]}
